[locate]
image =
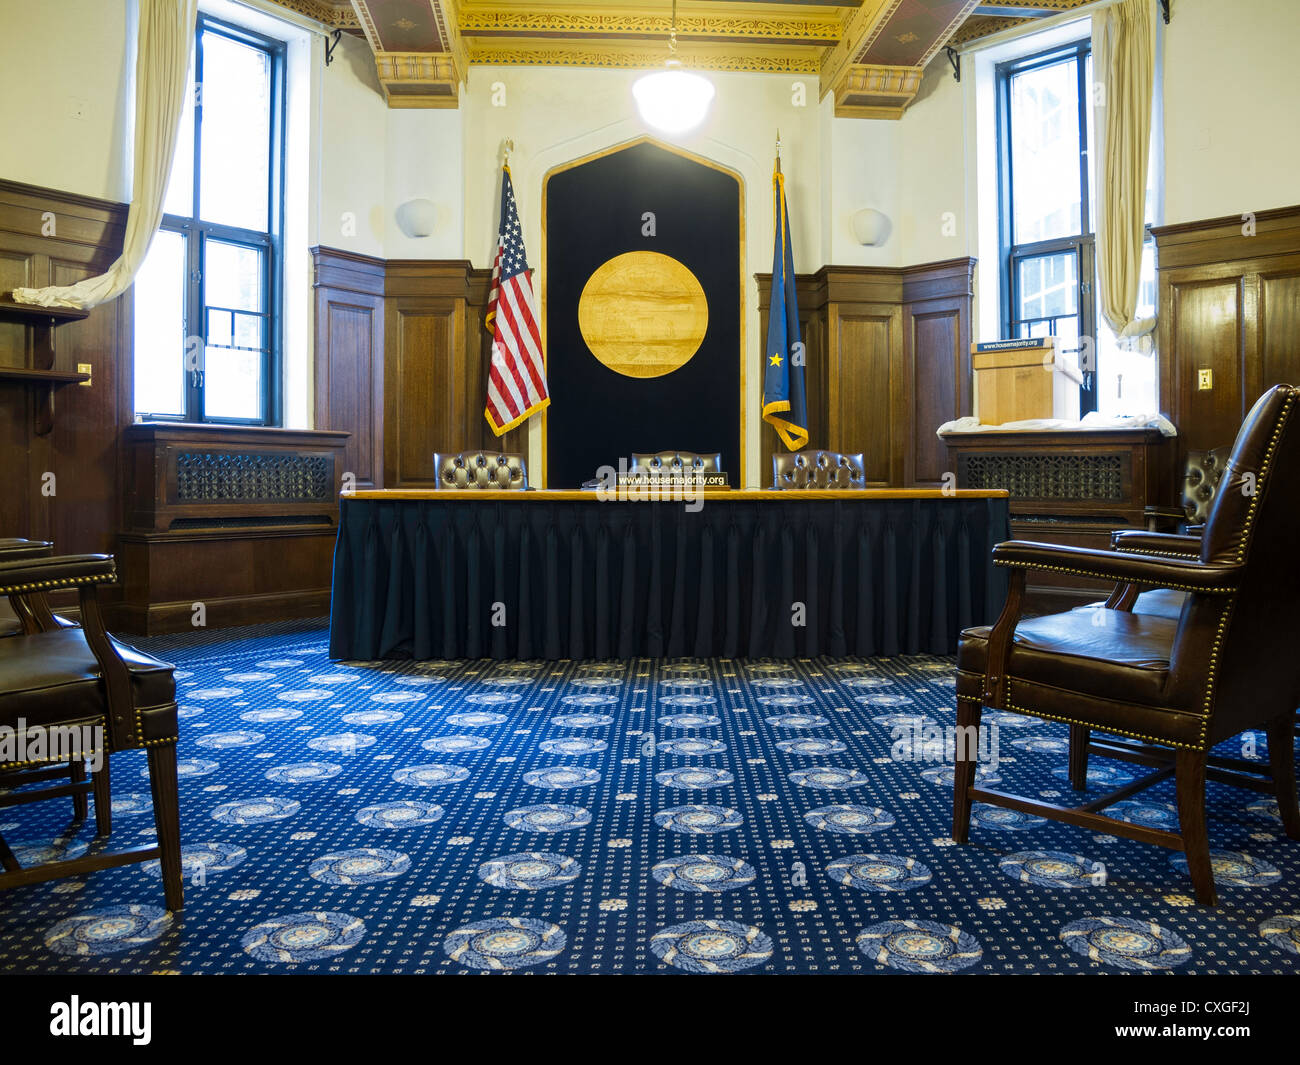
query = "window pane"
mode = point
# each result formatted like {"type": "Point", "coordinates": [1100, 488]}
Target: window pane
{"type": "Point", "coordinates": [1091, 112]}
{"type": "Point", "coordinates": [235, 148]}
{"type": "Point", "coordinates": [232, 383]}
{"type": "Point", "coordinates": [1045, 152]}
{"type": "Point", "coordinates": [233, 280]}
{"type": "Point", "coordinates": [232, 276]}
{"type": "Point", "coordinates": [180, 184]}
{"type": "Point", "coordinates": [1047, 286]}
{"type": "Point", "coordinates": [160, 327]}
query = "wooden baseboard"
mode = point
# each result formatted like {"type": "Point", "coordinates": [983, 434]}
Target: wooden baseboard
{"type": "Point", "coordinates": [153, 619]}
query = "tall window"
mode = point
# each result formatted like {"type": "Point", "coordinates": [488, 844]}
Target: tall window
{"type": "Point", "coordinates": [1048, 208]}
{"type": "Point", "coordinates": [207, 299]}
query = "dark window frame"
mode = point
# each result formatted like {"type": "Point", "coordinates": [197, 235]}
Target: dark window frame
{"type": "Point", "coordinates": [1082, 244]}
{"type": "Point", "coordinates": [196, 233]}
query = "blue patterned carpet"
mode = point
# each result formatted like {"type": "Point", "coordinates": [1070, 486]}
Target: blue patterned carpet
{"type": "Point", "coordinates": [643, 817]}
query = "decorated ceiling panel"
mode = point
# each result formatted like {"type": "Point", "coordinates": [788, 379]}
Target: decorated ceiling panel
{"type": "Point", "coordinates": [868, 53]}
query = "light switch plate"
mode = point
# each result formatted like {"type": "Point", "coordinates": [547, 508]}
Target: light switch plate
{"type": "Point", "coordinates": [1204, 380]}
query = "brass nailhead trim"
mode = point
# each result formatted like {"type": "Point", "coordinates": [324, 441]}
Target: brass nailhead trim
{"type": "Point", "coordinates": [1146, 581]}
{"type": "Point", "coordinates": [59, 582]}
{"type": "Point", "coordinates": [1188, 555]}
{"type": "Point", "coordinates": [1087, 724]}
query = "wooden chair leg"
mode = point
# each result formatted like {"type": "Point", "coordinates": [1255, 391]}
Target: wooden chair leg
{"type": "Point", "coordinates": [80, 804]}
{"type": "Point", "coordinates": [102, 783]}
{"type": "Point", "coordinates": [167, 820]}
{"type": "Point", "coordinates": [1281, 758]}
{"type": "Point", "coordinates": [1080, 737]}
{"type": "Point", "coordinates": [1190, 777]}
{"type": "Point", "coordinates": [968, 713]}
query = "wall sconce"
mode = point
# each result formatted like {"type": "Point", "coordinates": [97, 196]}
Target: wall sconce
{"type": "Point", "coordinates": [870, 227]}
{"type": "Point", "coordinates": [417, 218]}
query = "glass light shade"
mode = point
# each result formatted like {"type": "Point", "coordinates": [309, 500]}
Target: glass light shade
{"type": "Point", "coordinates": [673, 101]}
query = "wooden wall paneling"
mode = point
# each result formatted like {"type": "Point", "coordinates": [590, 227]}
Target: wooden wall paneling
{"type": "Point", "coordinates": [889, 362]}
{"type": "Point", "coordinates": [427, 394]}
{"type": "Point", "coordinates": [1206, 332]}
{"type": "Point", "coordinates": [349, 357]}
{"type": "Point", "coordinates": [1229, 301]}
{"type": "Point", "coordinates": [932, 342]}
{"type": "Point", "coordinates": [1278, 336]}
{"type": "Point", "coordinates": [51, 237]}
{"type": "Point", "coordinates": [866, 393]}
{"type": "Point", "coordinates": [938, 300]}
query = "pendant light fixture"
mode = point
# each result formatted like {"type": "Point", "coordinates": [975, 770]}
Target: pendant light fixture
{"type": "Point", "coordinates": [673, 100]}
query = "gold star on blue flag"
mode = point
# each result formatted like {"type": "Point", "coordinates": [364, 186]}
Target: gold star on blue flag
{"type": "Point", "coordinates": [785, 404]}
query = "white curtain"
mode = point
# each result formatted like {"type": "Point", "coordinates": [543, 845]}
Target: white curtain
{"type": "Point", "coordinates": [1124, 59]}
{"type": "Point", "coordinates": [166, 37]}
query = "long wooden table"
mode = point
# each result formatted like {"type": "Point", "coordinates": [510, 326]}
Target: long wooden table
{"type": "Point", "coordinates": [562, 574]}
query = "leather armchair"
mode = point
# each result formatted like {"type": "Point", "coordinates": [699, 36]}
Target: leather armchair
{"type": "Point", "coordinates": [817, 469]}
{"type": "Point", "coordinates": [677, 461]}
{"type": "Point", "coordinates": [1180, 686]}
{"type": "Point", "coordinates": [31, 613]}
{"type": "Point", "coordinates": [497, 470]}
{"type": "Point", "coordinates": [115, 698]}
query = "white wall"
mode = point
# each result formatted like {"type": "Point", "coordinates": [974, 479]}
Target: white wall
{"type": "Point", "coordinates": [67, 111]}
{"type": "Point", "coordinates": [936, 212]}
{"type": "Point", "coordinates": [860, 170]}
{"type": "Point", "coordinates": [424, 161]}
{"type": "Point", "coordinates": [353, 144]}
{"type": "Point", "coordinates": [1232, 85]}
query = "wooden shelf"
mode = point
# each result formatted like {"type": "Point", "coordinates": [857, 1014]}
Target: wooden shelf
{"type": "Point", "coordinates": [41, 374]}
{"type": "Point", "coordinates": [34, 314]}
{"type": "Point", "coordinates": [43, 377]}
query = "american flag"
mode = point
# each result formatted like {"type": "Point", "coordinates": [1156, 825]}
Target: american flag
{"type": "Point", "coordinates": [517, 378]}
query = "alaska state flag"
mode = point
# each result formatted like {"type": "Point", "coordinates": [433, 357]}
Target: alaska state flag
{"type": "Point", "coordinates": [785, 404]}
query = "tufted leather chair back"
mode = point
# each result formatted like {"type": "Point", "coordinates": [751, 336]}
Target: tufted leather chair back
{"type": "Point", "coordinates": [480, 469]}
{"type": "Point", "coordinates": [1201, 479]}
{"type": "Point", "coordinates": [677, 461]}
{"type": "Point", "coordinates": [818, 469]}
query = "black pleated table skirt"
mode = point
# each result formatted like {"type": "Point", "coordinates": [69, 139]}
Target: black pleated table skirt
{"type": "Point", "coordinates": [564, 575]}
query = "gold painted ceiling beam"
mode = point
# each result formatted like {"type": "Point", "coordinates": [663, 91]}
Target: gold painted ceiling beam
{"type": "Point", "coordinates": [763, 59]}
{"type": "Point", "coordinates": [703, 21]}
{"type": "Point", "coordinates": [875, 70]}
{"type": "Point", "coordinates": [337, 14]}
{"type": "Point", "coordinates": [859, 26]}
{"type": "Point", "coordinates": [428, 75]}
{"type": "Point", "coordinates": [866, 91]}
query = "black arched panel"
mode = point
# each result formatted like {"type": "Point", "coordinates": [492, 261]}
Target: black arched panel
{"type": "Point", "coordinates": [593, 212]}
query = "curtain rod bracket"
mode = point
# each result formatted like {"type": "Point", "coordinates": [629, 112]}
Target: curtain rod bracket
{"type": "Point", "coordinates": [1164, 10]}
{"type": "Point", "coordinates": [331, 44]}
{"type": "Point", "coordinates": [954, 57]}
